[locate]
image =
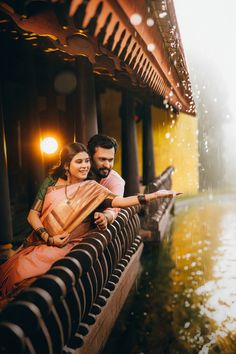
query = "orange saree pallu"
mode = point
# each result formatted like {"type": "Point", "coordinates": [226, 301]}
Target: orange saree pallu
{"type": "Point", "coordinates": [65, 209]}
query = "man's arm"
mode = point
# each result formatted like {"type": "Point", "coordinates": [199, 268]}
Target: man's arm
{"type": "Point", "coordinates": [115, 183]}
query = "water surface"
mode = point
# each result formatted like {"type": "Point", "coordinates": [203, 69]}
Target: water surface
{"type": "Point", "coordinates": [185, 299]}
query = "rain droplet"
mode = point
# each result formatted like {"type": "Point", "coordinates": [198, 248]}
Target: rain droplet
{"type": "Point", "coordinates": [186, 325]}
{"type": "Point", "coordinates": [167, 135]}
{"type": "Point", "coordinates": [162, 14]}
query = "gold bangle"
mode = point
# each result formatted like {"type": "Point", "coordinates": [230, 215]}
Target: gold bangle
{"type": "Point", "coordinates": [39, 231]}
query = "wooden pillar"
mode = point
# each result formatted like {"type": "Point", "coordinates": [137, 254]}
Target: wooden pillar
{"type": "Point", "coordinates": [49, 120]}
{"type": "Point", "coordinates": [71, 117]}
{"type": "Point", "coordinates": [129, 145]}
{"type": "Point", "coordinates": [100, 120]}
{"type": "Point", "coordinates": [52, 114]}
{"type": "Point", "coordinates": [86, 120]}
{"type": "Point", "coordinates": [32, 145]}
{"type": "Point", "coordinates": [5, 207]}
{"type": "Point", "coordinates": [148, 156]}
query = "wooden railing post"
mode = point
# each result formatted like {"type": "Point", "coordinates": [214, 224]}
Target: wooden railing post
{"type": "Point", "coordinates": [5, 208]}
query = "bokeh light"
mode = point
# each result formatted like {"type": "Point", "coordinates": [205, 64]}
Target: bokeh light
{"type": "Point", "coordinates": [49, 145]}
{"type": "Point", "coordinates": [151, 47]}
{"type": "Point", "coordinates": [136, 19]}
{"type": "Point", "coordinates": [150, 22]}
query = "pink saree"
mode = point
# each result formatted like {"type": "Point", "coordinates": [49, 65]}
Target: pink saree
{"type": "Point", "coordinates": [63, 212]}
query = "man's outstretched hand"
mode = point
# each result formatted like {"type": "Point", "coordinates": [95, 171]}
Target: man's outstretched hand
{"type": "Point", "coordinates": [167, 194]}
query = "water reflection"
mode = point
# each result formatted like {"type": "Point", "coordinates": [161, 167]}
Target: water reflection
{"type": "Point", "coordinates": [204, 243]}
{"type": "Point", "coordinates": [186, 299]}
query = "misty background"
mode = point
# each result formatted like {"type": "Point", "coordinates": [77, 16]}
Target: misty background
{"type": "Point", "coordinates": [206, 29]}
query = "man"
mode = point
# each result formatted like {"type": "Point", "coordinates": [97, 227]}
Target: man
{"type": "Point", "coordinates": [102, 150]}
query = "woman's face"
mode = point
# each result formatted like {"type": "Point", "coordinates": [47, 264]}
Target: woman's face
{"type": "Point", "coordinates": [79, 167]}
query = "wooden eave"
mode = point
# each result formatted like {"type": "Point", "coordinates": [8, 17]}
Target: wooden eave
{"type": "Point", "coordinates": [102, 31]}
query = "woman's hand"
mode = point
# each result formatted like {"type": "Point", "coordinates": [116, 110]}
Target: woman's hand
{"type": "Point", "coordinates": [60, 240]}
{"type": "Point", "coordinates": [100, 220]}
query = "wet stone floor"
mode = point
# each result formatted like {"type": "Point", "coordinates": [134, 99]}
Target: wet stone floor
{"type": "Point", "coordinates": [185, 299]}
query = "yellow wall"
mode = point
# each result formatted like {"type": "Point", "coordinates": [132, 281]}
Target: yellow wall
{"type": "Point", "coordinates": [175, 143]}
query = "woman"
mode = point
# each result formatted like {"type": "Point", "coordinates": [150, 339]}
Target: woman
{"type": "Point", "coordinates": [61, 216]}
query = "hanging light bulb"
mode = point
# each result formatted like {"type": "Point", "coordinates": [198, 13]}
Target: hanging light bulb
{"type": "Point", "coordinates": [136, 19]}
{"type": "Point", "coordinates": [151, 47]}
{"type": "Point", "coordinates": [150, 22]}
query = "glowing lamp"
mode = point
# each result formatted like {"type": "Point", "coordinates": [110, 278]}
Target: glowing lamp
{"type": "Point", "coordinates": [49, 145]}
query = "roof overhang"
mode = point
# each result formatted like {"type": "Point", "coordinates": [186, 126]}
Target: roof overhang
{"type": "Point", "coordinates": [149, 56]}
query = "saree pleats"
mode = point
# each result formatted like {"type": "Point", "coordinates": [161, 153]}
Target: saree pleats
{"type": "Point", "coordinates": [59, 215]}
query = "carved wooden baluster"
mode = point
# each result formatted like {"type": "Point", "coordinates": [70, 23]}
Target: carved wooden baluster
{"type": "Point", "coordinates": [118, 45]}
{"type": "Point", "coordinates": [101, 35]}
{"type": "Point", "coordinates": [124, 51]}
{"type": "Point", "coordinates": [78, 17]}
{"type": "Point", "coordinates": [110, 40]}
{"type": "Point", "coordinates": [133, 61]}
{"type": "Point", "coordinates": [127, 60]}
{"type": "Point", "coordinates": [91, 27]}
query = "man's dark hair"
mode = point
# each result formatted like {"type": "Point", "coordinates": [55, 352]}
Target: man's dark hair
{"type": "Point", "coordinates": [101, 140]}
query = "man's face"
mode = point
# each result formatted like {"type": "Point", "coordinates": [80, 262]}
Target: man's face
{"type": "Point", "coordinates": [103, 161]}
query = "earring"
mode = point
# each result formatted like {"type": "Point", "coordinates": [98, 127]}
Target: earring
{"type": "Point", "coordinates": [67, 173]}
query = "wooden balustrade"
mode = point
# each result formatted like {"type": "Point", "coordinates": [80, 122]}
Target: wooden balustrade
{"type": "Point", "coordinates": [73, 307]}
{"type": "Point", "coordinates": [155, 216]}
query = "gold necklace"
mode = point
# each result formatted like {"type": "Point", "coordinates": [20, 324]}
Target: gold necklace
{"type": "Point", "coordinates": [68, 198]}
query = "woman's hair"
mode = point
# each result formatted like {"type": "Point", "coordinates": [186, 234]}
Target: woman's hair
{"type": "Point", "coordinates": [66, 155]}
